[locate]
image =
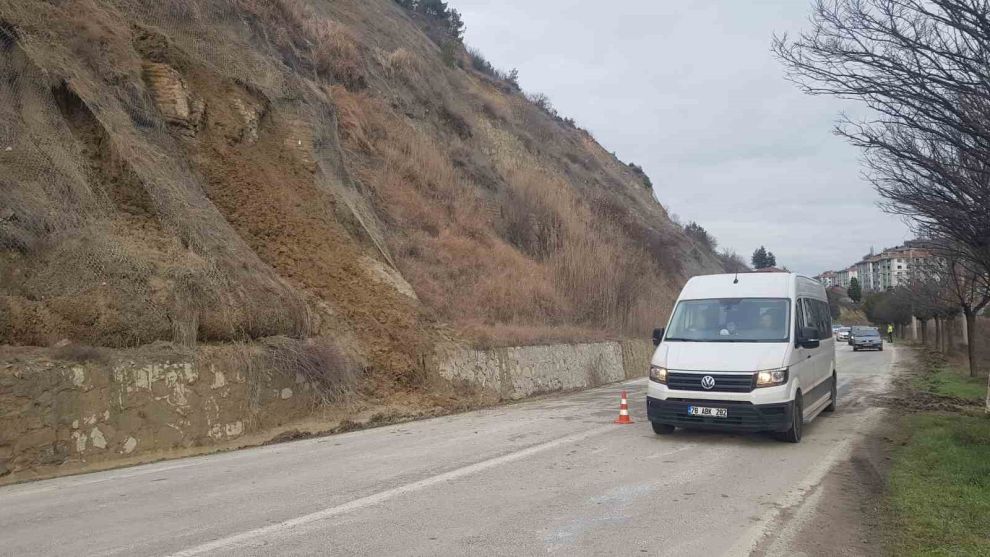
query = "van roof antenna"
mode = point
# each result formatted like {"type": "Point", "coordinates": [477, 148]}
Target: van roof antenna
{"type": "Point", "coordinates": [736, 280]}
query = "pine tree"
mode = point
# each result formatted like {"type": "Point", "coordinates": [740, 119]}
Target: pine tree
{"type": "Point", "coordinates": [855, 291]}
{"type": "Point", "coordinates": [456, 24]}
{"type": "Point", "coordinates": [760, 260]}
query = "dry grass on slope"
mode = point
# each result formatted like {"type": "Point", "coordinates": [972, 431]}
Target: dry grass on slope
{"type": "Point", "coordinates": [533, 256]}
{"type": "Point", "coordinates": [199, 192]}
{"type": "Point", "coordinates": [217, 213]}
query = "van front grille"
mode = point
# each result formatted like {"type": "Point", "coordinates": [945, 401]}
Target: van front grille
{"type": "Point", "coordinates": [724, 382]}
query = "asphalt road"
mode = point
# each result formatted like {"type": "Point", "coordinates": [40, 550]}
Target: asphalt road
{"type": "Point", "coordinates": [552, 475]}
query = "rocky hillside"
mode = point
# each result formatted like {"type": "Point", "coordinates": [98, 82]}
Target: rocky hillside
{"type": "Point", "coordinates": [339, 172]}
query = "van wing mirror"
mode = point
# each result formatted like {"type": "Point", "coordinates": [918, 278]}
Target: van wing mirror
{"type": "Point", "coordinates": [657, 336]}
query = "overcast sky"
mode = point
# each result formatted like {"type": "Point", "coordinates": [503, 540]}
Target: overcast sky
{"type": "Point", "coordinates": [690, 91]}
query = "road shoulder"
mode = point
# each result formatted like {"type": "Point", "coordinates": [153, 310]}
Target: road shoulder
{"type": "Point", "coordinates": [841, 513]}
{"type": "Point", "coordinates": [912, 483]}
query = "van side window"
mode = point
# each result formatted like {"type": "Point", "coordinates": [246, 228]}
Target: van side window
{"type": "Point", "coordinates": [818, 317]}
{"type": "Point", "coordinates": [826, 319]}
{"type": "Point", "coordinates": [800, 317]}
{"type": "Point", "coordinates": [814, 313]}
{"type": "Point", "coordinates": [814, 316]}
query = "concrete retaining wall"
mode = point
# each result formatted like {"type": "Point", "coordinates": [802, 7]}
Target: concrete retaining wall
{"type": "Point", "coordinates": [70, 415]}
{"type": "Point", "coordinates": [518, 372]}
{"type": "Point", "coordinates": [59, 417]}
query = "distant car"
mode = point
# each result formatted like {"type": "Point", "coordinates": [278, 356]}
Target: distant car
{"type": "Point", "coordinates": [868, 339]}
{"type": "Point", "coordinates": [853, 331]}
{"type": "Point", "coordinates": [842, 334]}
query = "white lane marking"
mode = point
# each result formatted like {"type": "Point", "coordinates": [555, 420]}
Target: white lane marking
{"type": "Point", "coordinates": [284, 527]}
{"type": "Point", "coordinates": [804, 493]}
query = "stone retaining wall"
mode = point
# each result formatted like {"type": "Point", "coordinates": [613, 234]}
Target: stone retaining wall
{"type": "Point", "coordinates": [64, 414]}
{"type": "Point", "coordinates": [522, 371]}
{"type": "Point", "coordinates": [59, 417]}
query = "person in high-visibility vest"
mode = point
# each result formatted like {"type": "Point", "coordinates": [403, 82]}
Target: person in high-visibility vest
{"type": "Point", "coordinates": [890, 332]}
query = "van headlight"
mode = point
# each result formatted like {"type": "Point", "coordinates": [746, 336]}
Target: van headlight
{"type": "Point", "coordinates": [658, 374]}
{"type": "Point", "coordinates": [771, 377]}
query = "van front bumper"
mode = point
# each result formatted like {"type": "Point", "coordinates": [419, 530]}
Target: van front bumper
{"type": "Point", "coordinates": [742, 415]}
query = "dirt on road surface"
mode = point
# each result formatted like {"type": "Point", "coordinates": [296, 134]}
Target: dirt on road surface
{"type": "Point", "coordinates": [547, 476]}
{"type": "Point", "coordinates": [841, 515]}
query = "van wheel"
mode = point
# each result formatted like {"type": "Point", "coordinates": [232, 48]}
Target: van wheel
{"type": "Point", "coordinates": [793, 435]}
{"type": "Point", "coordinates": [662, 429]}
{"type": "Point", "coordinates": [835, 394]}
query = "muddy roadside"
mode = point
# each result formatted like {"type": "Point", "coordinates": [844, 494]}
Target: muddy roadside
{"type": "Point", "coordinates": [853, 510]}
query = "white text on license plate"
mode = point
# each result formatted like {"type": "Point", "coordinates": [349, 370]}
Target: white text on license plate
{"type": "Point", "coordinates": [708, 412]}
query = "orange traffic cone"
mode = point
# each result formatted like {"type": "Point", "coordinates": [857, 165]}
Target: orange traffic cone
{"type": "Point", "coordinates": [623, 411]}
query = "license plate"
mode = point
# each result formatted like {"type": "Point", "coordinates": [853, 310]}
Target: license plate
{"type": "Point", "coordinates": [708, 412]}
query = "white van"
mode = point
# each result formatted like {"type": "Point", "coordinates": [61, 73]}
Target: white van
{"type": "Point", "coordinates": [747, 352]}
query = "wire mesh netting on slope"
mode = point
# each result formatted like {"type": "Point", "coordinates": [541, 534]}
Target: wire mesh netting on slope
{"type": "Point", "coordinates": [171, 172]}
{"type": "Point", "coordinates": [174, 172]}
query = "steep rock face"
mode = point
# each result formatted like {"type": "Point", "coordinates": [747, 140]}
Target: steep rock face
{"type": "Point", "coordinates": [220, 171]}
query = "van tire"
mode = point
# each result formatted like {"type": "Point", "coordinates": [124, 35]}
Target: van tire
{"type": "Point", "coordinates": [662, 429]}
{"type": "Point", "coordinates": [793, 435]}
{"type": "Point", "coordinates": [835, 394]}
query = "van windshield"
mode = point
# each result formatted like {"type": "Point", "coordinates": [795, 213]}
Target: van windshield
{"type": "Point", "coordinates": [731, 320]}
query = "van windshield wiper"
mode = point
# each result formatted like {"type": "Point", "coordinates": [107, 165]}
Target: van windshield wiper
{"type": "Point", "coordinates": [685, 339]}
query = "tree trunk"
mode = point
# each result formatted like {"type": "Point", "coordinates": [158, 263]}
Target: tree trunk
{"type": "Point", "coordinates": [971, 346]}
{"type": "Point", "coordinates": [938, 333]}
{"type": "Point", "coordinates": [924, 331]}
{"type": "Point", "coordinates": [948, 331]}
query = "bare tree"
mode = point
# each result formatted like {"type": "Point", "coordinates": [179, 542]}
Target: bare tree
{"type": "Point", "coordinates": [928, 298]}
{"type": "Point", "coordinates": [923, 68]}
{"type": "Point", "coordinates": [946, 285]}
{"type": "Point", "coordinates": [969, 287]}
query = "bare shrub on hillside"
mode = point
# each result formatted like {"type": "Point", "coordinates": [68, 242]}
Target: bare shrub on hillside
{"type": "Point", "coordinates": [316, 361]}
{"type": "Point", "coordinates": [482, 65]}
{"type": "Point", "coordinates": [534, 213]}
{"type": "Point", "coordinates": [81, 353]}
{"type": "Point", "coordinates": [543, 102]}
{"type": "Point", "coordinates": [608, 276]}
{"type": "Point", "coordinates": [732, 262]}
{"type": "Point", "coordinates": [402, 63]}
{"type": "Point", "coordinates": [657, 238]}
{"type": "Point", "coordinates": [532, 252]}
{"type": "Point", "coordinates": [698, 233]}
{"type": "Point", "coordinates": [332, 51]}
{"type": "Point", "coordinates": [336, 54]}
{"type": "Point", "coordinates": [611, 281]}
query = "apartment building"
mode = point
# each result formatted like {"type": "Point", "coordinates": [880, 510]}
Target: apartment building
{"type": "Point", "coordinates": [845, 276]}
{"type": "Point", "coordinates": [879, 271]}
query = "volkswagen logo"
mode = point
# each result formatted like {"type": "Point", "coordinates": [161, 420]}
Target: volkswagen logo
{"type": "Point", "coordinates": [708, 382]}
